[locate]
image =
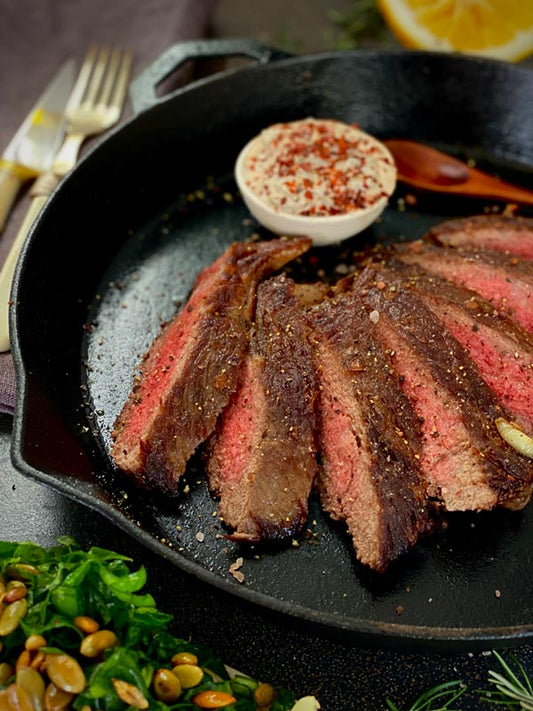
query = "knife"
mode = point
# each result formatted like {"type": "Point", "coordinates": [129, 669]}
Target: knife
{"type": "Point", "coordinates": [32, 148]}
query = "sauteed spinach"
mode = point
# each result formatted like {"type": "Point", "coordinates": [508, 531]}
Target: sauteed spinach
{"type": "Point", "coordinates": [77, 624]}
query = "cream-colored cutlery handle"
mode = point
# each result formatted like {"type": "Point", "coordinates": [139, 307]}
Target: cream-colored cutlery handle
{"type": "Point", "coordinates": [10, 184]}
{"type": "Point", "coordinates": [6, 275]}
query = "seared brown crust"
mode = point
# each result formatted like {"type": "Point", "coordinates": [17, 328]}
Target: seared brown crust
{"type": "Point", "coordinates": [192, 367]}
{"type": "Point", "coordinates": [503, 280]}
{"type": "Point", "coordinates": [502, 233]}
{"type": "Point", "coordinates": [502, 351]}
{"type": "Point", "coordinates": [369, 436]}
{"type": "Point", "coordinates": [508, 474]}
{"type": "Point", "coordinates": [261, 461]}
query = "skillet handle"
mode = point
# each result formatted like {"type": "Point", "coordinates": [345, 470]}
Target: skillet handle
{"type": "Point", "coordinates": [143, 88]}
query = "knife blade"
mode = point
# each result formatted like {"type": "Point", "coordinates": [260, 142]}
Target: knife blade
{"type": "Point", "coordinates": [31, 150]}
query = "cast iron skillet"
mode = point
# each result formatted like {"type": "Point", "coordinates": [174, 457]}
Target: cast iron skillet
{"type": "Point", "coordinates": [115, 253]}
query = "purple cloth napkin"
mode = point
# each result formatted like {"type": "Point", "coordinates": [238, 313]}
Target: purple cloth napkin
{"type": "Point", "coordinates": [36, 36]}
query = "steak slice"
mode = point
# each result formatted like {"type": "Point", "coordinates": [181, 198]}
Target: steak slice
{"type": "Point", "coordinates": [502, 351]}
{"type": "Point", "coordinates": [261, 460]}
{"type": "Point", "coordinates": [511, 235]}
{"type": "Point", "coordinates": [369, 437]}
{"type": "Point", "coordinates": [468, 465]}
{"type": "Point", "coordinates": [191, 369]}
{"type": "Point", "coordinates": [504, 281]}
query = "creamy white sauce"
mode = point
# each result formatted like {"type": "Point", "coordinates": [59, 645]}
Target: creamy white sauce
{"type": "Point", "coordinates": [318, 167]}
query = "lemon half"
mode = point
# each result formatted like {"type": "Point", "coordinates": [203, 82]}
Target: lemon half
{"type": "Point", "coordinates": [501, 29]}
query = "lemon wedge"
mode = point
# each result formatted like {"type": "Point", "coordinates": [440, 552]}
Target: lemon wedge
{"type": "Point", "coordinates": [501, 29]}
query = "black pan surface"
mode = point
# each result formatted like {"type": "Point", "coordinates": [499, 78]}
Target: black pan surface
{"type": "Point", "coordinates": [115, 253]}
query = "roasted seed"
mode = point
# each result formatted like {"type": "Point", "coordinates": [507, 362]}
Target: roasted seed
{"type": "Point", "coordinates": [213, 699]}
{"type": "Point", "coordinates": [66, 673]}
{"type": "Point", "coordinates": [18, 699]}
{"type": "Point", "coordinates": [167, 686]}
{"type": "Point", "coordinates": [11, 616]}
{"type": "Point", "coordinates": [15, 584]}
{"type": "Point", "coordinates": [264, 694]}
{"type": "Point", "coordinates": [33, 684]}
{"type": "Point", "coordinates": [35, 642]}
{"type": "Point", "coordinates": [56, 699]}
{"type": "Point", "coordinates": [13, 594]}
{"type": "Point", "coordinates": [189, 675]}
{"type": "Point", "coordinates": [130, 694]}
{"type": "Point", "coordinates": [37, 661]}
{"type": "Point", "coordinates": [23, 660]}
{"type": "Point", "coordinates": [86, 624]}
{"type": "Point", "coordinates": [4, 702]}
{"type": "Point", "coordinates": [21, 571]}
{"type": "Point", "coordinates": [94, 644]}
{"type": "Point", "coordinates": [184, 658]}
{"type": "Point", "coordinates": [6, 672]}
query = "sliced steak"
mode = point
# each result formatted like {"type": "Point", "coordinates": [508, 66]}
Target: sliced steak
{"type": "Point", "coordinates": [464, 458]}
{"type": "Point", "coordinates": [502, 351]}
{"type": "Point", "coordinates": [369, 437]}
{"type": "Point", "coordinates": [505, 281]}
{"type": "Point", "coordinates": [511, 235]}
{"type": "Point", "coordinates": [191, 369]}
{"type": "Point", "coordinates": [261, 460]}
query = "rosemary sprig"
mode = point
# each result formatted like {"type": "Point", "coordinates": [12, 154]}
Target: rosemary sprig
{"type": "Point", "coordinates": [444, 695]}
{"type": "Point", "coordinates": [514, 690]}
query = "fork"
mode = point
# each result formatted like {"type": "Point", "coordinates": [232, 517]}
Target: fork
{"type": "Point", "coordinates": [95, 104]}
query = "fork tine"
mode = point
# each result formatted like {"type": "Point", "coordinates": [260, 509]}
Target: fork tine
{"type": "Point", "coordinates": [82, 80]}
{"type": "Point", "coordinates": [96, 79]}
{"type": "Point", "coordinates": [117, 100]}
{"type": "Point", "coordinates": [110, 77]}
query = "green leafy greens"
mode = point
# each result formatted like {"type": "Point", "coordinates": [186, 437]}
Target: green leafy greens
{"type": "Point", "coordinates": [64, 582]}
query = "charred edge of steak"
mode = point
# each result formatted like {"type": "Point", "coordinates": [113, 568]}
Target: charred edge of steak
{"type": "Point", "coordinates": [191, 369]}
{"type": "Point", "coordinates": [501, 233]}
{"type": "Point", "coordinates": [505, 281]}
{"type": "Point", "coordinates": [508, 473]}
{"type": "Point", "coordinates": [502, 351]}
{"type": "Point", "coordinates": [369, 437]}
{"type": "Point", "coordinates": [261, 460]}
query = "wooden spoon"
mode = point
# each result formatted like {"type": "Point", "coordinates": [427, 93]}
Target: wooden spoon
{"type": "Point", "coordinates": [427, 168]}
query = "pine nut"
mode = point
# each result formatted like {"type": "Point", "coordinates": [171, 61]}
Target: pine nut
{"type": "Point", "coordinates": [130, 694]}
{"type": "Point", "coordinates": [66, 673]}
